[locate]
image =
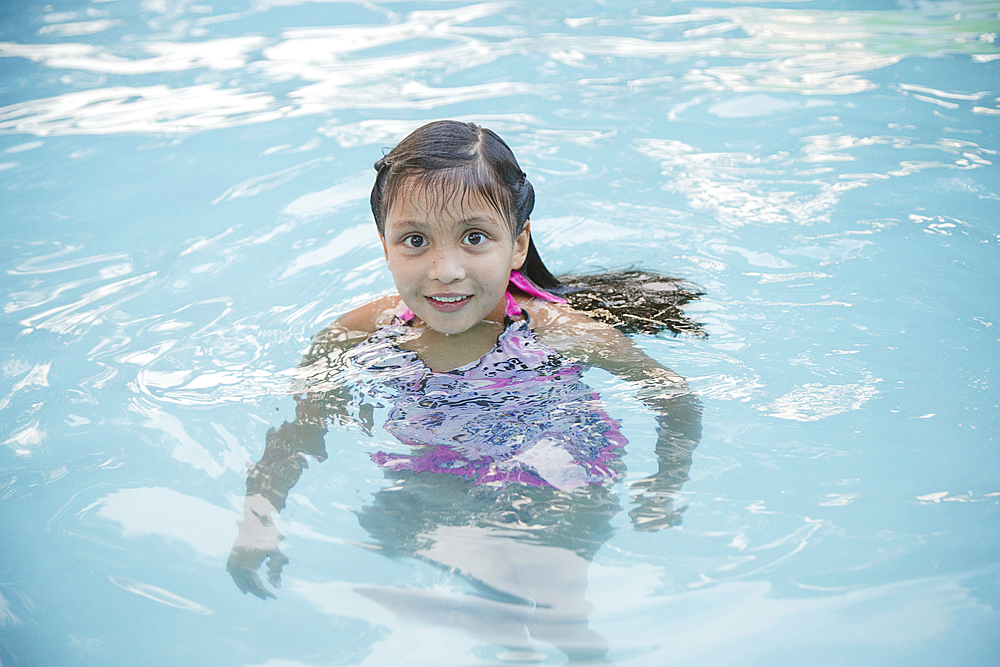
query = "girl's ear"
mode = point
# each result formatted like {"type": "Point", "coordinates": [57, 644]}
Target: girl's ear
{"type": "Point", "coordinates": [521, 243]}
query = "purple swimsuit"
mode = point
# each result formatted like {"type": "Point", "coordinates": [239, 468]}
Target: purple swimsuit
{"type": "Point", "coordinates": [520, 414]}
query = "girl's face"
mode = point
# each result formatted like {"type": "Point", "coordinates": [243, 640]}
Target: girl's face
{"type": "Point", "coordinates": [451, 260]}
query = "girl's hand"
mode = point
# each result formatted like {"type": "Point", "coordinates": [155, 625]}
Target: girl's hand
{"type": "Point", "coordinates": [256, 542]}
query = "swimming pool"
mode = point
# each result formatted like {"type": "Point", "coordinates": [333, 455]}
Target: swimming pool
{"type": "Point", "coordinates": [185, 203]}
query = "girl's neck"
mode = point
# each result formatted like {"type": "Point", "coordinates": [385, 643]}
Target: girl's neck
{"type": "Point", "coordinates": [446, 352]}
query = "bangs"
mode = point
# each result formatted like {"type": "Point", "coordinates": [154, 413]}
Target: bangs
{"type": "Point", "coordinates": [454, 163]}
{"type": "Point", "coordinates": [452, 186]}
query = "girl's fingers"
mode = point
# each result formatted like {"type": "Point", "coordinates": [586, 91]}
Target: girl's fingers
{"type": "Point", "coordinates": [276, 562]}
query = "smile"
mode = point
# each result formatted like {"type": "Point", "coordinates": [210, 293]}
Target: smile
{"type": "Point", "coordinates": [448, 304]}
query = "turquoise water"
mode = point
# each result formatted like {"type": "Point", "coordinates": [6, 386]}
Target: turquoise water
{"type": "Point", "coordinates": [184, 205]}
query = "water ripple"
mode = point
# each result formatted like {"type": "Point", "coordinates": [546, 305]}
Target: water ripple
{"type": "Point", "coordinates": [347, 67]}
{"type": "Point", "coordinates": [157, 594]}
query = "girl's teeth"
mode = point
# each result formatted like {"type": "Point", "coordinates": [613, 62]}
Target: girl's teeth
{"type": "Point", "coordinates": [448, 299]}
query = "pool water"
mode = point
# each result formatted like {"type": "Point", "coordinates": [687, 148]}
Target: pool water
{"type": "Point", "coordinates": [184, 190]}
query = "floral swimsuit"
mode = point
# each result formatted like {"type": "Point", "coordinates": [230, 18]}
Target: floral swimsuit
{"type": "Point", "coordinates": [520, 414]}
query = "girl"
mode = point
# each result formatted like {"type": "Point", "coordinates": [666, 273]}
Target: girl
{"type": "Point", "coordinates": [506, 460]}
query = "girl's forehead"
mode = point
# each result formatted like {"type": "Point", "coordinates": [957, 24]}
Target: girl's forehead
{"type": "Point", "coordinates": [448, 200]}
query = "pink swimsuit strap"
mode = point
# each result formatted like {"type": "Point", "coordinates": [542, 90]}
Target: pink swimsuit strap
{"type": "Point", "coordinates": [518, 280]}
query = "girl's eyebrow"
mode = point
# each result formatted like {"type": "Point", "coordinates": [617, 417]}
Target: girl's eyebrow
{"type": "Point", "coordinates": [407, 223]}
{"type": "Point", "coordinates": [478, 220]}
{"type": "Point", "coordinates": [407, 226]}
{"type": "Point", "coordinates": [466, 222]}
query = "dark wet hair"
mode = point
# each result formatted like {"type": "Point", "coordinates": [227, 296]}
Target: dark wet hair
{"type": "Point", "coordinates": [466, 159]}
{"type": "Point", "coordinates": [450, 155]}
{"type": "Point", "coordinates": [634, 301]}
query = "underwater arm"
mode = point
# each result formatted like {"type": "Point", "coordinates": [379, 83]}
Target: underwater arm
{"type": "Point", "coordinates": [285, 455]}
{"type": "Point", "coordinates": [676, 409]}
{"type": "Point", "coordinates": [678, 427]}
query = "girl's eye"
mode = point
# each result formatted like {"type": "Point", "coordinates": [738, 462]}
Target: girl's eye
{"type": "Point", "coordinates": [475, 238]}
{"type": "Point", "coordinates": [414, 241]}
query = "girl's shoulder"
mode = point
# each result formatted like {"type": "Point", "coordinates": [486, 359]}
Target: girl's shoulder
{"type": "Point", "coordinates": [548, 315]}
{"type": "Point", "coordinates": [358, 324]}
{"type": "Point", "coordinates": [565, 329]}
{"type": "Point", "coordinates": [579, 336]}
{"type": "Point", "coordinates": [352, 327]}
{"type": "Point", "coordinates": [370, 317]}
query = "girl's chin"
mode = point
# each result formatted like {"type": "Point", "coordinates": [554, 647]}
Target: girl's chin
{"type": "Point", "coordinates": [445, 323]}
{"type": "Point", "coordinates": [450, 324]}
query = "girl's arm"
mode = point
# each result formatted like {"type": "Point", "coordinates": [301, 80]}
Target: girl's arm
{"type": "Point", "coordinates": [323, 396]}
{"type": "Point", "coordinates": [676, 408]}
{"type": "Point", "coordinates": [287, 447]}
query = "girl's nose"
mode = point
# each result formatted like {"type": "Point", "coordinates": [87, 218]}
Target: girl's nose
{"type": "Point", "coordinates": [447, 266]}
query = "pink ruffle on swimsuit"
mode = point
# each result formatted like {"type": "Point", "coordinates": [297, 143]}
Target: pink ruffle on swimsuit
{"type": "Point", "coordinates": [520, 414]}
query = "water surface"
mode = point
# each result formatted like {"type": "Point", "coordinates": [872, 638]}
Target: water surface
{"type": "Point", "coordinates": [185, 203]}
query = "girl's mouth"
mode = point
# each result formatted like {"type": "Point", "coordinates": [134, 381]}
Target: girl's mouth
{"type": "Point", "coordinates": [448, 304]}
